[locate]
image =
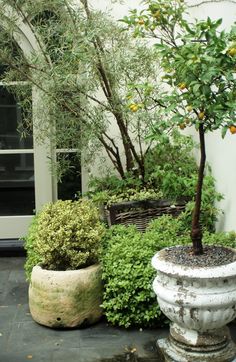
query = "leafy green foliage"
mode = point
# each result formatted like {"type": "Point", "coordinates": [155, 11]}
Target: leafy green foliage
{"type": "Point", "coordinates": [33, 258]}
{"type": "Point", "coordinates": [209, 211]}
{"type": "Point", "coordinates": [171, 167]}
{"type": "Point", "coordinates": [227, 239]}
{"type": "Point", "coordinates": [127, 272]}
{"type": "Point", "coordinates": [112, 189]}
{"type": "Point", "coordinates": [64, 235]}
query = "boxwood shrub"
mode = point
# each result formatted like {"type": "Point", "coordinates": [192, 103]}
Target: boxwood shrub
{"type": "Point", "coordinates": [64, 235]}
{"type": "Point", "coordinates": [128, 275]}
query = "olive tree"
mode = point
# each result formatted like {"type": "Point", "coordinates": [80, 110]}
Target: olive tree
{"type": "Point", "coordinates": [92, 77]}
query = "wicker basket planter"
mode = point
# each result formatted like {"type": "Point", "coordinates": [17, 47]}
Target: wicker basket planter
{"type": "Point", "coordinates": [140, 213]}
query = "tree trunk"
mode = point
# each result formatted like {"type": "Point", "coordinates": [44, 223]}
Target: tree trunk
{"type": "Point", "coordinates": [196, 231]}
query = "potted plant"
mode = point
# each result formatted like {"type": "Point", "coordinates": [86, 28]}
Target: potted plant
{"type": "Point", "coordinates": [195, 285]}
{"type": "Point", "coordinates": [65, 286]}
{"type": "Point", "coordinates": [128, 297]}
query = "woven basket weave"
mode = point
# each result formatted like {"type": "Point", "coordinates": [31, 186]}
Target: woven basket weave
{"type": "Point", "coordinates": [140, 213]}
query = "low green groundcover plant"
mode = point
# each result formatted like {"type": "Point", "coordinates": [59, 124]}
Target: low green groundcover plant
{"type": "Point", "coordinates": [64, 235]}
{"type": "Point", "coordinates": [127, 272]}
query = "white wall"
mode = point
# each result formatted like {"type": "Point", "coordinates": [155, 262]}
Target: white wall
{"type": "Point", "coordinates": [118, 10]}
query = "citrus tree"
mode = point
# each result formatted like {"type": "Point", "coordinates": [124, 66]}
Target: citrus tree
{"type": "Point", "coordinates": [198, 63]}
{"type": "Point", "coordinates": [84, 74]}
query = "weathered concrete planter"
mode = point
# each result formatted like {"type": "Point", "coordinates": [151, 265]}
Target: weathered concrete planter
{"type": "Point", "coordinates": [199, 302]}
{"type": "Point", "coordinates": [66, 299]}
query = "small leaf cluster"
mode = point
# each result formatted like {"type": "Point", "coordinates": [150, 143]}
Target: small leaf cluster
{"type": "Point", "coordinates": [64, 235]}
{"type": "Point", "coordinates": [209, 211]}
{"type": "Point", "coordinates": [128, 275]}
{"type": "Point", "coordinates": [171, 167]}
{"type": "Point", "coordinates": [227, 239]}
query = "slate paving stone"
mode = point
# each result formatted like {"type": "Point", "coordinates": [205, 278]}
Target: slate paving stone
{"type": "Point", "coordinates": [7, 314]}
{"type": "Point", "coordinates": [27, 355]}
{"type": "Point", "coordinates": [4, 275]}
{"type": "Point", "coordinates": [12, 263]}
{"type": "Point", "coordinates": [34, 337]}
{"type": "Point", "coordinates": [76, 354]}
{"type": "Point", "coordinates": [17, 276]}
{"type": "Point", "coordinates": [16, 294]}
{"type": "Point", "coordinates": [22, 313]}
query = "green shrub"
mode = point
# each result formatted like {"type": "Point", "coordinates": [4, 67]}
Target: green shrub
{"type": "Point", "coordinates": [209, 211]}
{"type": "Point", "coordinates": [128, 275]}
{"type": "Point", "coordinates": [127, 272]}
{"type": "Point", "coordinates": [171, 167]}
{"type": "Point", "coordinates": [33, 257]}
{"type": "Point", "coordinates": [64, 235]}
{"type": "Point", "coordinates": [221, 238]}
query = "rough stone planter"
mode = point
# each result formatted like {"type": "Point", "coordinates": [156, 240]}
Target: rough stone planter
{"type": "Point", "coordinates": [199, 302]}
{"type": "Point", "coordinates": [66, 299]}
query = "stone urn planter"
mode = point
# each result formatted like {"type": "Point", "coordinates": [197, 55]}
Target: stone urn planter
{"type": "Point", "coordinates": [199, 301]}
{"type": "Point", "coordinates": [66, 299]}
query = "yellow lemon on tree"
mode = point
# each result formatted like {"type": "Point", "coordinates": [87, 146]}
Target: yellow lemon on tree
{"type": "Point", "coordinates": [189, 108]}
{"type": "Point", "coordinates": [232, 51]}
{"type": "Point", "coordinates": [133, 107]}
{"type": "Point", "coordinates": [141, 22]}
{"type": "Point", "coordinates": [201, 115]}
{"type": "Point", "coordinates": [182, 125]}
{"type": "Point", "coordinates": [232, 129]}
{"type": "Point", "coordinates": [182, 86]}
{"type": "Point", "coordinates": [157, 14]}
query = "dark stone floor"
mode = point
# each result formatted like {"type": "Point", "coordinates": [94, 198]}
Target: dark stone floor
{"type": "Point", "coordinates": [21, 339]}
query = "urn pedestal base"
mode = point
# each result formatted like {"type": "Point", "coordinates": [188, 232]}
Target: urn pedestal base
{"type": "Point", "coordinates": [215, 346]}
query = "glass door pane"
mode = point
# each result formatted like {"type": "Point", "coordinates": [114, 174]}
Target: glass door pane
{"type": "Point", "coordinates": [12, 125]}
{"type": "Point", "coordinates": [69, 186]}
{"type": "Point", "coordinates": [17, 185]}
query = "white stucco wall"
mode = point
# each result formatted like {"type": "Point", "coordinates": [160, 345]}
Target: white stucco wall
{"type": "Point", "coordinates": [118, 10]}
{"type": "Point", "coordinates": [221, 153]}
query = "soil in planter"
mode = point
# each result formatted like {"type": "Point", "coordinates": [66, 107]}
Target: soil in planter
{"type": "Point", "coordinates": [212, 256]}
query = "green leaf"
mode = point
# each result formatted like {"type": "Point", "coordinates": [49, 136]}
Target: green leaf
{"type": "Point", "coordinates": [224, 131]}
